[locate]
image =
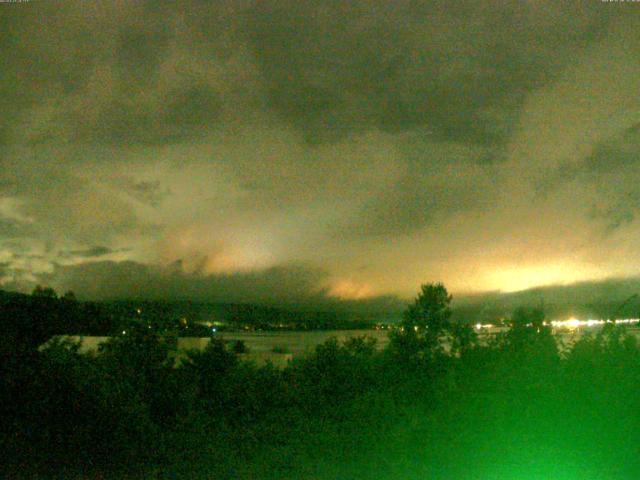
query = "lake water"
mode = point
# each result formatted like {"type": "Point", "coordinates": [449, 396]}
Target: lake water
{"type": "Point", "coordinates": [280, 347]}
{"type": "Point", "coordinates": [290, 342]}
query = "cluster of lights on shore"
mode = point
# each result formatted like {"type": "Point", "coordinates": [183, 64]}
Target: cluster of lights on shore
{"type": "Point", "coordinates": [573, 323]}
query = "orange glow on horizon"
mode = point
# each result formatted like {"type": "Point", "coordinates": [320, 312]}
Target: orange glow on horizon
{"type": "Point", "coordinates": [350, 290]}
{"type": "Point", "coordinates": [516, 278]}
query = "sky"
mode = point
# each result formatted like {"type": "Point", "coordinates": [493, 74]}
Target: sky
{"type": "Point", "coordinates": [262, 150]}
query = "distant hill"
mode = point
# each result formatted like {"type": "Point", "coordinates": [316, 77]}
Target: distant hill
{"type": "Point", "coordinates": [33, 319]}
{"type": "Point", "coordinates": [613, 298]}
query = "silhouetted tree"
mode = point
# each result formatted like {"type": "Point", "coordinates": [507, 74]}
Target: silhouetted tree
{"type": "Point", "coordinates": [463, 338]}
{"type": "Point", "coordinates": [69, 296]}
{"type": "Point", "coordinates": [530, 353]}
{"type": "Point", "coordinates": [526, 326]}
{"type": "Point", "coordinates": [44, 292]}
{"type": "Point", "coordinates": [430, 310]}
{"type": "Point", "coordinates": [208, 369]}
{"type": "Point", "coordinates": [425, 323]}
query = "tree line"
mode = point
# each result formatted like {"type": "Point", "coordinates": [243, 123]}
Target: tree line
{"type": "Point", "coordinates": [435, 403]}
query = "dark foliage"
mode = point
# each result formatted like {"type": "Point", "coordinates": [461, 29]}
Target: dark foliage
{"type": "Point", "coordinates": [437, 403]}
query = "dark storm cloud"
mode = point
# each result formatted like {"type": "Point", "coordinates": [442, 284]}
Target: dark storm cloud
{"type": "Point", "coordinates": [612, 169]}
{"type": "Point", "coordinates": [97, 251]}
{"type": "Point", "coordinates": [100, 69]}
{"type": "Point", "coordinates": [156, 74]}
{"type": "Point", "coordinates": [149, 192]}
{"type": "Point", "coordinates": [292, 286]}
{"type": "Point", "coordinates": [328, 68]}
{"type": "Point", "coordinates": [135, 280]}
{"type": "Point", "coordinates": [461, 69]}
{"type": "Point", "coordinates": [13, 229]}
{"type": "Point", "coordinates": [617, 213]}
{"type": "Point", "coordinates": [66, 203]}
{"type": "Point", "coordinates": [438, 183]}
{"type": "Point", "coordinates": [259, 134]}
{"type": "Point", "coordinates": [611, 158]}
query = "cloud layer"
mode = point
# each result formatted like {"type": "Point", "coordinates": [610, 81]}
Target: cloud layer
{"type": "Point", "coordinates": [294, 287]}
{"type": "Point", "coordinates": [486, 145]}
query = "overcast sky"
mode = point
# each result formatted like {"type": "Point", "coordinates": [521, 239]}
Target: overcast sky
{"type": "Point", "coordinates": [344, 149]}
